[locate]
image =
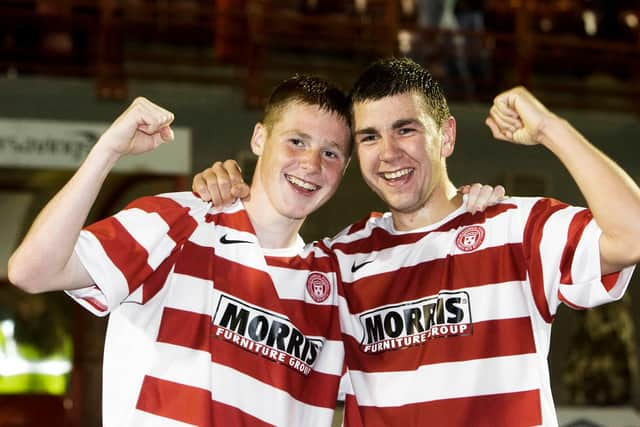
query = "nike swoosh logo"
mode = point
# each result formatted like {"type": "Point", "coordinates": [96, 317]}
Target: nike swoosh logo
{"type": "Point", "coordinates": [357, 267]}
{"type": "Point", "coordinates": [226, 241]}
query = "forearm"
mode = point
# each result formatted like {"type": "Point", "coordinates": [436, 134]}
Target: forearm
{"type": "Point", "coordinates": [45, 259]}
{"type": "Point", "coordinates": [612, 196]}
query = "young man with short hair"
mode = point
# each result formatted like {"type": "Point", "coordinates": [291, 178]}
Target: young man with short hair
{"type": "Point", "coordinates": [446, 316]}
{"type": "Point", "coordinates": [208, 323]}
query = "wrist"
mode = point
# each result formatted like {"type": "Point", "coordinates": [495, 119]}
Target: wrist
{"type": "Point", "coordinates": [552, 131]}
{"type": "Point", "coordinates": [103, 154]}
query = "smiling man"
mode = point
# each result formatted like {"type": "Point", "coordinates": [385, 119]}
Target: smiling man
{"type": "Point", "coordinates": [446, 315]}
{"type": "Point", "coordinates": [449, 321]}
{"type": "Point", "coordinates": [209, 324]}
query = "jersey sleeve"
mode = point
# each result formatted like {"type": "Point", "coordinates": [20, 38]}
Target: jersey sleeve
{"type": "Point", "coordinates": [129, 255]}
{"type": "Point", "coordinates": [562, 251]}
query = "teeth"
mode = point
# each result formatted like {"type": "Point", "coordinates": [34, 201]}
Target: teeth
{"type": "Point", "coordinates": [301, 183]}
{"type": "Point", "coordinates": [397, 174]}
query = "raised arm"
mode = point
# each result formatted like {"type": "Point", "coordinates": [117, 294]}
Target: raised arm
{"type": "Point", "coordinates": [613, 197]}
{"type": "Point", "coordinates": [45, 260]}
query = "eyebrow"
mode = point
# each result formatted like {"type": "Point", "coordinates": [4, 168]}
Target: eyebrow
{"type": "Point", "coordinates": [306, 136]}
{"type": "Point", "coordinates": [299, 133]}
{"type": "Point", "coordinates": [395, 125]}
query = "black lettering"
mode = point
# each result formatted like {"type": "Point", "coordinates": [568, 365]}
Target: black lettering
{"type": "Point", "coordinates": [277, 333]}
{"type": "Point", "coordinates": [258, 328]}
{"type": "Point", "coordinates": [233, 320]}
{"type": "Point", "coordinates": [412, 320]}
{"type": "Point", "coordinates": [440, 311]}
{"type": "Point", "coordinates": [296, 340]}
{"type": "Point", "coordinates": [373, 327]}
{"type": "Point", "coordinates": [313, 353]}
{"type": "Point", "coordinates": [393, 324]}
{"type": "Point", "coordinates": [454, 310]}
{"type": "Point", "coordinates": [429, 311]}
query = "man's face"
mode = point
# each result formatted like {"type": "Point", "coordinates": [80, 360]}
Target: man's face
{"type": "Point", "coordinates": [400, 150]}
{"type": "Point", "coordinates": [303, 158]}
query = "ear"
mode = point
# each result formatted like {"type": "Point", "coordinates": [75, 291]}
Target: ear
{"type": "Point", "coordinates": [258, 139]}
{"type": "Point", "coordinates": [448, 131]}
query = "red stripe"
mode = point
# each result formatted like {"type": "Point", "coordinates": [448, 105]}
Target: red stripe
{"type": "Point", "coordinates": [477, 218]}
{"type": "Point", "coordinates": [609, 280]}
{"type": "Point", "coordinates": [181, 224]}
{"type": "Point", "coordinates": [95, 303]}
{"type": "Point", "coordinates": [256, 287]}
{"type": "Point", "coordinates": [311, 262]}
{"type": "Point", "coordinates": [156, 281]}
{"type": "Point", "coordinates": [123, 250]}
{"type": "Point", "coordinates": [313, 319]}
{"type": "Point", "coordinates": [196, 261]}
{"type": "Point", "coordinates": [360, 225]}
{"type": "Point", "coordinates": [451, 273]}
{"type": "Point", "coordinates": [195, 331]}
{"type": "Point", "coordinates": [517, 409]}
{"type": "Point", "coordinates": [351, 417]}
{"type": "Point", "coordinates": [190, 405]}
{"type": "Point", "coordinates": [382, 239]}
{"type": "Point", "coordinates": [534, 228]}
{"type": "Point", "coordinates": [175, 401]}
{"type": "Point", "coordinates": [249, 284]}
{"type": "Point", "coordinates": [492, 338]}
{"type": "Point", "coordinates": [237, 220]}
{"type": "Point", "coordinates": [228, 416]}
{"type": "Point", "coordinates": [576, 228]}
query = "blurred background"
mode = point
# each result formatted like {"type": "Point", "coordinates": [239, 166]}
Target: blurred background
{"type": "Point", "coordinates": [69, 67]}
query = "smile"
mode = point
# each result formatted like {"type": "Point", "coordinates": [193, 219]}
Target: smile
{"type": "Point", "coordinates": [395, 175]}
{"type": "Point", "coordinates": [304, 185]}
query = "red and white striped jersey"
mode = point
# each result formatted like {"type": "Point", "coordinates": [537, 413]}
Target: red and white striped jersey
{"type": "Point", "coordinates": [450, 324]}
{"type": "Point", "coordinates": [206, 328]}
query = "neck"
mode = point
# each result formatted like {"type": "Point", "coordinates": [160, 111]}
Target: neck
{"type": "Point", "coordinates": [443, 200]}
{"type": "Point", "coordinates": [273, 230]}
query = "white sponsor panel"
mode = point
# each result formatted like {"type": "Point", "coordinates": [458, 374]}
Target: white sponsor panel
{"type": "Point", "coordinates": [414, 322]}
{"type": "Point", "coordinates": [267, 334]}
{"type": "Point", "coordinates": [57, 144]}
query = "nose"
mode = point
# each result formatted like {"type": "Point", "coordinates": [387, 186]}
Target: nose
{"type": "Point", "coordinates": [311, 160]}
{"type": "Point", "coordinates": [389, 149]}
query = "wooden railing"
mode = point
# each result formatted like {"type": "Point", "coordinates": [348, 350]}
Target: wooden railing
{"type": "Point", "coordinates": [252, 43]}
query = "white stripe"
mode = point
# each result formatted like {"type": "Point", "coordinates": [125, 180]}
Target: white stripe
{"type": "Point", "coordinates": [291, 284]}
{"type": "Point", "coordinates": [434, 246]}
{"type": "Point", "coordinates": [150, 231]}
{"type": "Point", "coordinates": [190, 293]}
{"type": "Point", "coordinates": [113, 285]}
{"type": "Point", "coordinates": [182, 365]}
{"type": "Point", "coordinates": [330, 359]}
{"type": "Point", "coordinates": [267, 403]}
{"type": "Point", "coordinates": [185, 366]}
{"type": "Point", "coordinates": [447, 381]}
{"type": "Point", "coordinates": [145, 419]}
{"type": "Point", "coordinates": [554, 240]}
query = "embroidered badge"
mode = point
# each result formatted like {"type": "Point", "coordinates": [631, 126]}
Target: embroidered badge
{"type": "Point", "coordinates": [318, 287]}
{"type": "Point", "coordinates": [470, 238]}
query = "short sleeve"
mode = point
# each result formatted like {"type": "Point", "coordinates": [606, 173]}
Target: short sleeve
{"type": "Point", "coordinates": [129, 254]}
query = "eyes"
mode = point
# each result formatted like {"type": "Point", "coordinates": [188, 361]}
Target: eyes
{"type": "Point", "coordinates": [373, 136]}
{"type": "Point", "coordinates": [327, 153]}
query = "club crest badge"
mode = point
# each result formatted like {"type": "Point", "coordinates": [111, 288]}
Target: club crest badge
{"type": "Point", "coordinates": [470, 238]}
{"type": "Point", "coordinates": [318, 287]}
